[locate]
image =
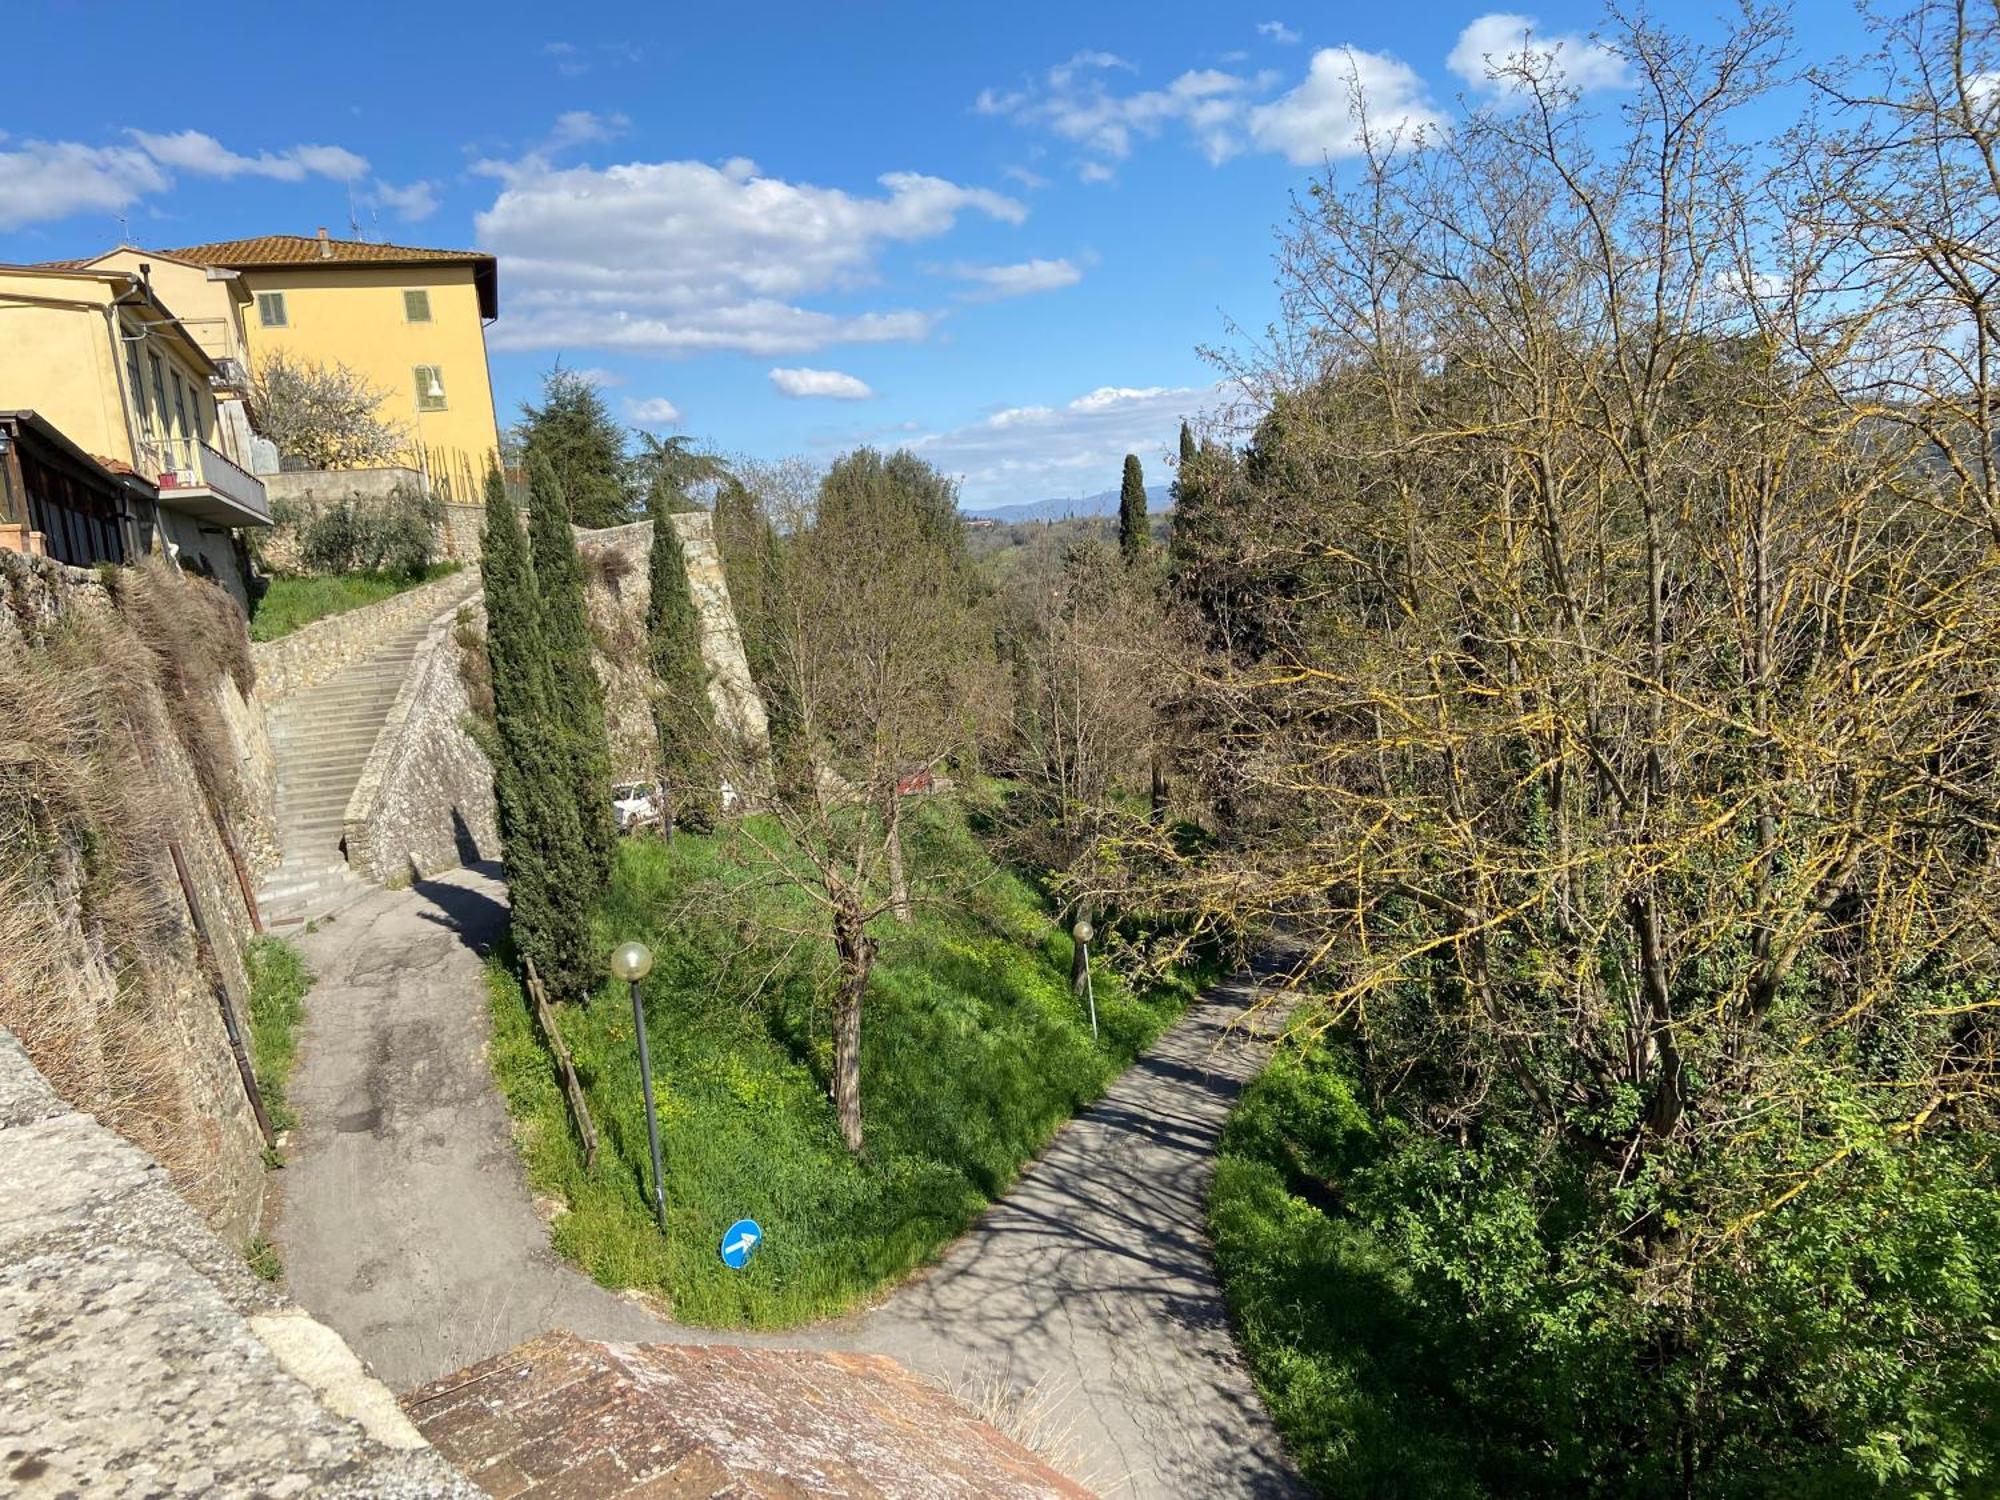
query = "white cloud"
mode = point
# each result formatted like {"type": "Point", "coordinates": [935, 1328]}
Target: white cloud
{"type": "Point", "coordinates": [1028, 453]}
{"type": "Point", "coordinates": [205, 156]}
{"type": "Point", "coordinates": [1073, 100]}
{"type": "Point", "coordinates": [1029, 180]}
{"type": "Point", "coordinates": [411, 202]}
{"type": "Point", "coordinates": [831, 385]}
{"type": "Point", "coordinates": [652, 411]}
{"type": "Point", "coordinates": [572, 61]}
{"type": "Point", "coordinates": [1345, 86]}
{"type": "Point", "coordinates": [678, 256]}
{"type": "Point", "coordinates": [1279, 32]}
{"type": "Point", "coordinates": [991, 283]}
{"type": "Point", "coordinates": [598, 376]}
{"type": "Point", "coordinates": [1224, 113]}
{"type": "Point", "coordinates": [1501, 43]}
{"type": "Point", "coordinates": [54, 179]}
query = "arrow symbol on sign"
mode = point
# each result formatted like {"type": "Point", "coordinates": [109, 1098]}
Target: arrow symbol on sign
{"type": "Point", "coordinates": [743, 1242]}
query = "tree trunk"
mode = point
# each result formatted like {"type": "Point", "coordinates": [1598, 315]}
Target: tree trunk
{"type": "Point", "coordinates": [899, 885]}
{"type": "Point", "coordinates": [857, 957]}
{"type": "Point", "coordinates": [1159, 791]}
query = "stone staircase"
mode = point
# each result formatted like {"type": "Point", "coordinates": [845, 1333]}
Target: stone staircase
{"type": "Point", "coordinates": [321, 740]}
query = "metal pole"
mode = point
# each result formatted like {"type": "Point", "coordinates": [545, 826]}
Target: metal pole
{"type": "Point", "coordinates": [1090, 992]}
{"type": "Point", "coordinates": [652, 1118]}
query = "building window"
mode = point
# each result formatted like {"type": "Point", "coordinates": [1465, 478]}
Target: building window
{"type": "Point", "coordinates": [271, 309]}
{"type": "Point", "coordinates": [416, 306]}
{"type": "Point", "coordinates": [160, 399]}
{"type": "Point", "coordinates": [430, 387]}
{"type": "Point", "coordinates": [139, 407]}
{"type": "Point", "coordinates": [180, 405]}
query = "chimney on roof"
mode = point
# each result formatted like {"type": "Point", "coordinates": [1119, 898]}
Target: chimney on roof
{"type": "Point", "coordinates": [325, 250]}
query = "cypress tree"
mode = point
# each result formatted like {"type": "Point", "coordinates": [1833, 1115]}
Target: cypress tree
{"type": "Point", "coordinates": [681, 713]}
{"type": "Point", "coordinates": [1132, 509]}
{"type": "Point", "coordinates": [541, 846]}
{"type": "Point", "coordinates": [577, 696]}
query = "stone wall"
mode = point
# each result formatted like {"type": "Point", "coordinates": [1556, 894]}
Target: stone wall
{"type": "Point", "coordinates": [325, 648]}
{"type": "Point", "coordinates": [139, 1356]}
{"type": "Point", "coordinates": [100, 975]}
{"type": "Point", "coordinates": [425, 799]}
{"type": "Point", "coordinates": [298, 494]}
{"type": "Point", "coordinates": [460, 532]}
{"type": "Point", "coordinates": [618, 615]}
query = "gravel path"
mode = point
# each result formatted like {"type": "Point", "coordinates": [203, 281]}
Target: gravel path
{"type": "Point", "coordinates": [407, 1224]}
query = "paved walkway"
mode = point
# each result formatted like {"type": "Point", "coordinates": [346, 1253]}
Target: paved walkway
{"type": "Point", "coordinates": [407, 1224]}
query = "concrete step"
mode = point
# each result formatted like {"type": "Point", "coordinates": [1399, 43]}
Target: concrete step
{"type": "Point", "coordinates": [321, 741]}
{"type": "Point", "coordinates": [346, 762]}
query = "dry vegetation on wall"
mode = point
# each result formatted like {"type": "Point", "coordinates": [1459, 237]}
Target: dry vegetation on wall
{"type": "Point", "coordinates": [107, 712]}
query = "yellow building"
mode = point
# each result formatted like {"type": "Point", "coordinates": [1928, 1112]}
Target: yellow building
{"type": "Point", "coordinates": [98, 356]}
{"type": "Point", "coordinates": [411, 321]}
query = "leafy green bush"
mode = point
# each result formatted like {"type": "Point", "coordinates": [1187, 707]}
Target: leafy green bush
{"type": "Point", "coordinates": [396, 534]}
{"type": "Point", "coordinates": [973, 1053]}
{"type": "Point", "coordinates": [1434, 1317]}
{"type": "Point", "coordinates": [279, 979]}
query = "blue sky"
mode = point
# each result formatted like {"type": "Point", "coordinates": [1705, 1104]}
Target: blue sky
{"type": "Point", "coordinates": [996, 233]}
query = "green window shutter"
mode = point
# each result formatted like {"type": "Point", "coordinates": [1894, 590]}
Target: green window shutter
{"type": "Point", "coordinates": [430, 387]}
{"type": "Point", "coordinates": [271, 309]}
{"type": "Point", "coordinates": [416, 306]}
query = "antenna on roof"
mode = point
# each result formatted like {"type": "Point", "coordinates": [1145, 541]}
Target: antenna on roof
{"type": "Point", "coordinates": [353, 219]}
{"type": "Point", "coordinates": [124, 231]}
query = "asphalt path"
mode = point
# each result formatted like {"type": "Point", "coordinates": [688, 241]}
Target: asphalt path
{"type": "Point", "coordinates": [1086, 1295]}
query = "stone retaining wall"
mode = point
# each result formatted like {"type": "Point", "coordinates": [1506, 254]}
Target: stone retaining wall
{"type": "Point", "coordinates": [619, 615]}
{"type": "Point", "coordinates": [126, 1020]}
{"type": "Point", "coordinates": [310, 655]}
{"type": "Point", "coordinates": [425, 799]}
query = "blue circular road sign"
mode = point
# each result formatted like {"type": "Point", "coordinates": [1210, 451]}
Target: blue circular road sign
{"type": "Point", "coordinates": [740, 1242]}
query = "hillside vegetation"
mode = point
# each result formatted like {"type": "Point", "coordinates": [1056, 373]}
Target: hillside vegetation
{"type": "Point", "coordinates": [973, 1053]}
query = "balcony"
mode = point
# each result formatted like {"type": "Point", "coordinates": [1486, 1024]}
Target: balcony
{"type": "Point", "coordinates": [201, 482]}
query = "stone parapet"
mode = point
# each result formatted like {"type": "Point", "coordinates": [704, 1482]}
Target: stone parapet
{"type": "Point", "coordinates": [139, 1356]}
{"type": "Point", "coordinates": [424, 802]}
{"type": "Point", "coordinates": [314, 653]}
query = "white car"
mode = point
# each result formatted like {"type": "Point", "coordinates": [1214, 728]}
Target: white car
{"type": "Point", "coordinates": [636, 804]}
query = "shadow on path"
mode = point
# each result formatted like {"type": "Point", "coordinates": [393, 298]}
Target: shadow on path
{"type": "Point", "coordinates": [408, 1225]}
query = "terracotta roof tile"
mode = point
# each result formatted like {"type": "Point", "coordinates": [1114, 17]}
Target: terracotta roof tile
{"type": "Point", "coordinates": [561, 1417]}
{"type": "Point", "coordinates": [307, 250]}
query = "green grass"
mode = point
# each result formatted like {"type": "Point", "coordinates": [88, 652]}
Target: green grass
{"type": "Point", "coordinates": [263, 1260]}
{"type": "Point", "coordinates": [279, 980]}
{"type": "Point", "coordinates": [288, 603]}
{"type": "Point", "coordinates": [1354, 1376]}
{"type": "Point", "coordinates": [973, 1054]}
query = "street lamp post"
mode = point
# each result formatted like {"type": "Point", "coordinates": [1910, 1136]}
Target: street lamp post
{"type": "Point", "coordinates": [1083, 932]}
{"type": "Point", "coordinates": [632, 962]}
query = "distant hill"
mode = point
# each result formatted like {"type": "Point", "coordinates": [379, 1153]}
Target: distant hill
{"type": "Point", "coordinates": [1103, 503]}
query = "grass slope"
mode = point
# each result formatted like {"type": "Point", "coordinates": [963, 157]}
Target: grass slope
{"type": "Point", "coordinates": [973, 1053]}
{"type": "Point", "coordinates": [288, 603]}
{"type": "Point", "coordinates": [1353, 1375]}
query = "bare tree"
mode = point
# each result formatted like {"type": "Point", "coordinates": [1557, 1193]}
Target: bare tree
{"type": "Point", "coordinates": [325, 416]}
{"type": "Point", "coordinates": [1619, 536]}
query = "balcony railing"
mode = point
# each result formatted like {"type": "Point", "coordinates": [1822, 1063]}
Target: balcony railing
{"type": "Point", "coordinates": [185, 464]}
